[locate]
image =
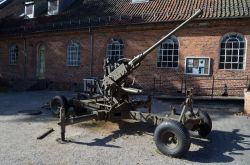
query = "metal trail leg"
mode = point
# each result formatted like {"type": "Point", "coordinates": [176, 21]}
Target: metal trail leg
{"type": "Point", "coordinates": [62, 123]}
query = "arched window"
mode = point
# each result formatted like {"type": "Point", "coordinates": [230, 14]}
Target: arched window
{"type": "Point", "coordinates": [115, 49]}
{"type": "Point", "coordinates": [73, 53]}
{"type": "Point", "coordinates": [168, 53]}
{"type": "Point", "coordinates": [13, 54]}
{"type": "Point", "coordinates": [232, 52]}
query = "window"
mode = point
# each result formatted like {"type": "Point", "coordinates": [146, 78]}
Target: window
{"type": "Point", "coordinates": [197, 65]}
{"type": "Point", "coordinates": [232, 52]}
{"type": "Point", "coordinates": [73, 53]}
{"type": "Point", "coordinates": [53, 7]}
{"type": "Point", "coordinates": [168, 53]}
{"type": "Point", "coordinates": [139, 1]}
{"type": "Point", "coordinates": [115, 49]}
{"type": "Point", "coordinates": [29, 9]}
{"type": "Point", "coordinates": [13, 54]}
{"type": "Point", "coordinates": [41, 61]}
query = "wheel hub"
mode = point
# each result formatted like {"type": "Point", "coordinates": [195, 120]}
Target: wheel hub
{"type": "Point", "coordinates": [170, 140]}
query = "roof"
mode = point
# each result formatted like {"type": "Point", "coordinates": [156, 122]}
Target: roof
{"type": "Point", "coordinates": [163, 10]}
{"type": "Point", "coordinates": [117, 12]}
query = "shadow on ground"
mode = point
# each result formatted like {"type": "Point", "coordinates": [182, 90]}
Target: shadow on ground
{"type": "Point", "coordinates": [220, 147]}
{"type": "Point", "coordinates": [124, 128]}
{"type": "Point", "coordinates": [217, 149]}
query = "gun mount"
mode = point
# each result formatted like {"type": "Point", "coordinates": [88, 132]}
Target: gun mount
{"type": "Point", "coordinates": [113, 101]}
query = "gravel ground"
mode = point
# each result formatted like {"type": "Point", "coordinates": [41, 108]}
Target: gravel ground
{"type": "Point", "coordinates": [113, 143]}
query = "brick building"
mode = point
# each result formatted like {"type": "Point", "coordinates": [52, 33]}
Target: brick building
{"type": "Point", "coordinates": [64, 41]}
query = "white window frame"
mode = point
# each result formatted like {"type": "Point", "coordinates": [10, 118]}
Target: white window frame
{"type": "Point", "coordinates": [73, 54]}
{"type": "Point", "coordinates": [173, 40]}
{"type": "Point", "coordinates": [28, 4]}
{"type": "Point", "coordinates": [53, 12]}
{"type": "Point", "coordinates": [119, 46]}
{"type": "Point", "coordinates": [139, 1]}
{"type": "Point", "coordinates": [13, 54]}
{"type": "Point", "coordinates": [224, 40]}
{"type": "Point", "coordinates": [192, 57]}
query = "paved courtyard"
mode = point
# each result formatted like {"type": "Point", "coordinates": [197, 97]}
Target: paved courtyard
{"type": "Point", "coordinates": [125, 142]}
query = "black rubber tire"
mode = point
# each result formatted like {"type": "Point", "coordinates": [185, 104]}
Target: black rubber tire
{"type": "Point", "coordinates": [172, 133]}
{"type": "Point", "coordinates": [206, 127]}
{"type": "Point", "coordinates": [56, 103]}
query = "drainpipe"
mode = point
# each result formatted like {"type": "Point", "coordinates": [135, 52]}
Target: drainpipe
{"type": "Point", "coordinates": [91, 51]}
{"type": "Point", "coordinates": [25, 58]}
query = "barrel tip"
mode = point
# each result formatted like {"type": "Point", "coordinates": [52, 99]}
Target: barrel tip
{"type": "Point", "coordinates": [199, 11]}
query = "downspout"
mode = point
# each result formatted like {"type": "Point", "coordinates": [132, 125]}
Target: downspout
{"type": "Point", "coordinates": [25, 58]}
{"type": "Point", "coordinates": [91, 51]}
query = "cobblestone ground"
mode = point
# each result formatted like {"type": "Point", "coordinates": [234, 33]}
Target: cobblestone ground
{"type": "Point", "coordinates": [111, 143]}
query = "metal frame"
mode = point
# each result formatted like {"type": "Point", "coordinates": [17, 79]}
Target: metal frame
{"type": "Point", "coordinates": [98, 110]}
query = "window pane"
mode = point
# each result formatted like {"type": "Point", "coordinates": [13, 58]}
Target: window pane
{"type": "Point", "coordinates": [222, 58]}
{"type": "Point", "coordinates": [189, 70]}
{"type": "Point", "coordinates": [234, 66]}
{"type": "Point", "coordinates": [170, 64]}
{"type": "Point", "coordinates": [164, 46]}
{"type": "Point", "coordinates": [170, 52]}
{"type": "Point", "coordinates": [228, 58]}
{"type": "Point", "coordinates": [236, 45]}
{"type": "Point", "coordinates": [235, 52]}
{"type": "Point", "coordinates": [228, 52]}
{"type": "Point", "coordinates": [176, 46]}
{"type": "Point", "coordinates": [241, 52]}
{"type": "Point", "coordinates": [170, 46]}
{"type": "Point", "coordinates": [175, 64]}
{"type": "Point", "coordinates": [164, 64]}
{"type": "Point", "coordinates": [170, 58]}
{"type": "Point", "coordinates": [240, 66]}
{"type": "Point", "coordinates": [223, 45]}
{"type": "Point", "coordinates": [242, 45]}
{"type": "Point", "coordinates": [175, 52]}
{"type": "Point", "coordinates": [222, 52]}
{"type": "Point", "coordinates": [165, 58]}
{"type": "Point", "coordinates": [221, 66]}
{"type": "Point", "coordinates": [229, 45]}
{"type": "Point", "coordinates": [228, 66]}
{"type": "Point", "coordinates": [235, 59]}
{"type": "Point", "coordinates": [241, 59]}
{"type": "Point", "coordinates": [175, 58]}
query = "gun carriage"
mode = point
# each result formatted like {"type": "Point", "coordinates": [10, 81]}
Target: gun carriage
{"type": "Point", "coordinates": [111, 100]}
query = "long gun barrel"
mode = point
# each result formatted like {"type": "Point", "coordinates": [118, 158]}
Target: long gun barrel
{"type": "Point", "coordinates": [137, 59]}
{"type": "Point", "coordinates": [123, 70]}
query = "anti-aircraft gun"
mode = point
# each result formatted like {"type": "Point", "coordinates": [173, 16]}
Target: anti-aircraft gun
{"type": "Point", "coordinates": [112, 101]}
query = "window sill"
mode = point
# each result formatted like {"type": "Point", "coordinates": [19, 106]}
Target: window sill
{"type": "Point", "coordinates": [233, 70]}
{"type": "Point", "coordinates": [167, 67]}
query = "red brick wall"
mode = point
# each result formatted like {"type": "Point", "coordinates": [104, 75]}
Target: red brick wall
{"type": "Point", "coordinates": [197, 39]}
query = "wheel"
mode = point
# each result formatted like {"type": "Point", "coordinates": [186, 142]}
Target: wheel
{"type": "Point", "coordinates": [172, 138]}
{"type": "Point", "coordinates": [56, 103]}
{"type": "Point", "coordinates": [76, 108]}
{"type": "Point", "coordinates": [206, 127]}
